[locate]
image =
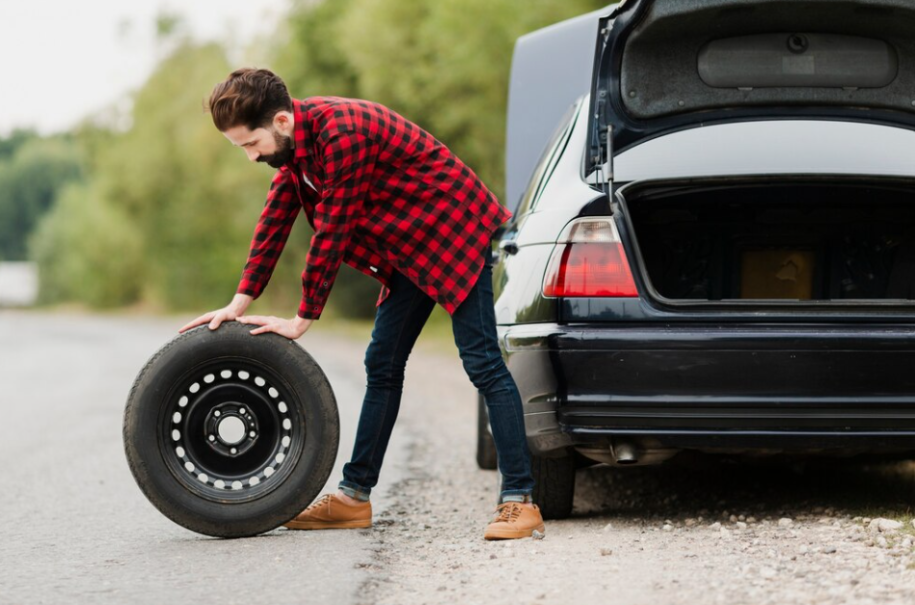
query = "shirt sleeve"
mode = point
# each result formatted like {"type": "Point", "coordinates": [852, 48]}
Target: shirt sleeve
{"type": "Point", "coordinates": [349, 159]}
{"type": "Point", "coordinates": [270, 234]}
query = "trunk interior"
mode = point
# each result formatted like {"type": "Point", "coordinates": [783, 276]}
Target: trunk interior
{"type": "Point", "coordinates": [813, 241]}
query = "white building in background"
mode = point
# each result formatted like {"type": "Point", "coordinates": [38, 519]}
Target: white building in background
{"type": "Point", "coordinates": [18, 284]}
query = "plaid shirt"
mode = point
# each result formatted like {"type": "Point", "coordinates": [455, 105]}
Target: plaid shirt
{"type": "Point", "coordinates": [382, 195]}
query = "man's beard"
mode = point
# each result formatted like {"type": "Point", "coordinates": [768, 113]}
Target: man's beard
{"type": "Point", "coordinates": [283, 154]}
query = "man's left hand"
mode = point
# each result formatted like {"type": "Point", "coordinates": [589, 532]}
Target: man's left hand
{"type": "Point", "coordinates": [290, 328]}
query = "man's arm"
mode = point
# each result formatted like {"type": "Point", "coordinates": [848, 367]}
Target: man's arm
{"type": "Point", "coordinates": [270, 234]}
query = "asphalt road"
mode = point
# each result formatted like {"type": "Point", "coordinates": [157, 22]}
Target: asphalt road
{"type": "Point", "coordinates": [77, 529]}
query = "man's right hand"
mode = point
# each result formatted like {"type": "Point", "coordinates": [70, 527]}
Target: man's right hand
{"type": "Point", "coordinates": [237, 307]}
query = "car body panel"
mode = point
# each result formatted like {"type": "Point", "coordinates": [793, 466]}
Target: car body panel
{"type": "Point", "coordinates": [619, 379]}
{"type": "Point", "coordinates": [518, 276]}
{"type": "Point", "coordinates": [647, 72]}
{"type": "Point", "coordinates": [779, 147]}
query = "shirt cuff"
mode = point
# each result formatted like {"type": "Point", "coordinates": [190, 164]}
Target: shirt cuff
{"type": "Point", "coordinates": [310, 311]}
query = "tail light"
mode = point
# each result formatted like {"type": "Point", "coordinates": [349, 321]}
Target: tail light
{"type": "Point", "coordinates": [589, 260]}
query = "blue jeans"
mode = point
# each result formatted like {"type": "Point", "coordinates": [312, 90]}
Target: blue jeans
{"type": "Point", "coordinates": [398, 322]}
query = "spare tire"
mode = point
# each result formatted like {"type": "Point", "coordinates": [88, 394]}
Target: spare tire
{"type": "Point", "coordinates": [230, 434]}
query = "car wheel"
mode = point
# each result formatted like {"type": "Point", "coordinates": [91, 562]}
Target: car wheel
{"type": "Point", "coordinates": [486, 446]}
{"type": "Point", "coordinates": [230, 434]}
{"type": "Point", "coordinates": [554, 485]}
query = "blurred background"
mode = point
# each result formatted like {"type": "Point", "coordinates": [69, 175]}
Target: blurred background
{"type": "Point", "coordinates": [116, 191]}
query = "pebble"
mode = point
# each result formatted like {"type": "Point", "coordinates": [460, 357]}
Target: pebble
{"type": "Point", "coordinates": [608, 526]}
{"type": "Point", "coordinates": [785, 522]}
{"type": "Point", "coordinates": [536, 535]}
{"type": "Point", "coordinates": [741, 525]}
{"type": "Point", "coordinates": [830, 550]}
{"type": "Point", "coordinates": [606, 552]}
{"type": "Point", "coordinates": [667, 527]}
{"type": "Point", "coordinates": [884, 525]}
{"type": "Point", "coordinates": [881, 542]}
{"type": "Point", "coordinates": [715, 526]}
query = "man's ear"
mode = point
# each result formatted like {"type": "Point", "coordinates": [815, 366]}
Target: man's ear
{"type": "Point", "coordinates": [283, 122]}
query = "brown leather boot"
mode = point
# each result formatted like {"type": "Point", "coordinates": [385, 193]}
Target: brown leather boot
{"type": "Point", "coordinates": [514, 521]}
{"type": "Point", "coordinates": [329, 512]}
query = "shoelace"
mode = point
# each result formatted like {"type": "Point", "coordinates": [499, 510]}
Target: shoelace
{"type": "Point", "coordinates": [319, 501]}
{"type": "Point", "coordinates": [508, 512]}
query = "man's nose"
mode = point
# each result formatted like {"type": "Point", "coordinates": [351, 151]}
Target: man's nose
{"type": "Point", "coordinates": [252, 155]}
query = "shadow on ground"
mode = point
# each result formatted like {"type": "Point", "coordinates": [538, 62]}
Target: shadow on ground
{"type": "Point", "coordinates": [713, 487]}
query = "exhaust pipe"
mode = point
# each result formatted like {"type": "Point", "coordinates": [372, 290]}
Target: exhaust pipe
{"type": "Point", "coordinates": [624, 453]}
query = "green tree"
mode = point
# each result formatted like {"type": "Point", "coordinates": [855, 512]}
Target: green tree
{"type": "Point", "coordinates": [193, 196]}
{"type": "Point", "coordinates": [29, 181]}
{"type": "Point", "coordinates": [15, 140]}
{"type": "Point", "coordinates": [87, 250]}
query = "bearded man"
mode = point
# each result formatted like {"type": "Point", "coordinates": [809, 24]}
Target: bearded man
{"type": "Point", "coordinates": [387, 198]}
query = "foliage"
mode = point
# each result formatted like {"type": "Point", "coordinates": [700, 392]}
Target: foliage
{"type": "Point", "coordinates": [87, 251]}
{"type": "Point", "coordinates": [12, 142]}
{"type": "Point", "coordinates": [29, 180]}
{"type": "Point", "coordinates": [192, 196]}
{"type": "Point", "coordinates": [169, 207]}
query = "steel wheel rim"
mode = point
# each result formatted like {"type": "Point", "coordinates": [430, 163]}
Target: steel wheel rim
{"type": "Point", "coordinates": [202, 415]}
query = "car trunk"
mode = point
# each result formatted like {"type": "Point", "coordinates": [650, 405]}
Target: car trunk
{"type": "Point", "coordinates": [666, 65]}
{"type": "Point", "coordinates": [783, 241]}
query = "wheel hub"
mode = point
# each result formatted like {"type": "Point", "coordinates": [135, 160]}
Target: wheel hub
{"type": "Point", "coordinates": [231, 428]}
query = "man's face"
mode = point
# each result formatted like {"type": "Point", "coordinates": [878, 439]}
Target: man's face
{"type": "Point", "coordinates": [267, 145]}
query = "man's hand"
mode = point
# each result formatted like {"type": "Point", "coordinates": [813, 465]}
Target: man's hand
{"type": "Point", "coordinates": [290, 328]}
{"type": "Point", "coordinates": [231, 311]}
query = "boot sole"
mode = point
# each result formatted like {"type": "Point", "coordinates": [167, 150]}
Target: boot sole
{"type": "Point", "coordinates": [508, 534]}
{"type": "Point", "coordinates": [359, 524]}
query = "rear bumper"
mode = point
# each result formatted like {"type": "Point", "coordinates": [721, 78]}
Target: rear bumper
{"type": "Point", "coordinates": [716, 385]}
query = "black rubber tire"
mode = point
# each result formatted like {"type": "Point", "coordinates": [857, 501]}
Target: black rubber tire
{"type": "Point", "coordinates": [310, 401]}
{"type": "Point", "coordinates": [486, 446]}
{"type": "Point", "coordinates": [554, 485]}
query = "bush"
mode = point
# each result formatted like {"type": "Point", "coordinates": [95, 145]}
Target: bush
{"type": "Point", "coordinates": [87, 251]}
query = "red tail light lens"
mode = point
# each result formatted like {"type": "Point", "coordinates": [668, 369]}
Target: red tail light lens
{"type": "Point", "coordinates": [589, 261]}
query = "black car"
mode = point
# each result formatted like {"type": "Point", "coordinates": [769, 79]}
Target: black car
{"type": "Point", "coordinates": [716, 248]}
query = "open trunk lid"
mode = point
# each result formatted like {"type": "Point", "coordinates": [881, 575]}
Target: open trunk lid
{"type": "Point", "coordinates": [668, 65]}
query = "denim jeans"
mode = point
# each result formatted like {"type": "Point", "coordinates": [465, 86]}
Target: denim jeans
{"type": "Point", "coordinates": [398, 322]}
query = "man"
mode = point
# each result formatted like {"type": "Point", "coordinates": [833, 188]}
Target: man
{"type": "Point", "coordinates": [387, 198]}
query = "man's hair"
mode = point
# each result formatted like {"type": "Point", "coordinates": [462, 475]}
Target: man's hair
{"type": "Point", "coordinates": [248, 97]}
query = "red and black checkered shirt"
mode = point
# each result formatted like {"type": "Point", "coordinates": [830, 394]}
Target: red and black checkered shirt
{"type": "Point", "coordinates": [382, 195]}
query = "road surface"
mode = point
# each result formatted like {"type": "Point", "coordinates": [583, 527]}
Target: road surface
{"type": "Point", "coordinates": [76, 529]}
